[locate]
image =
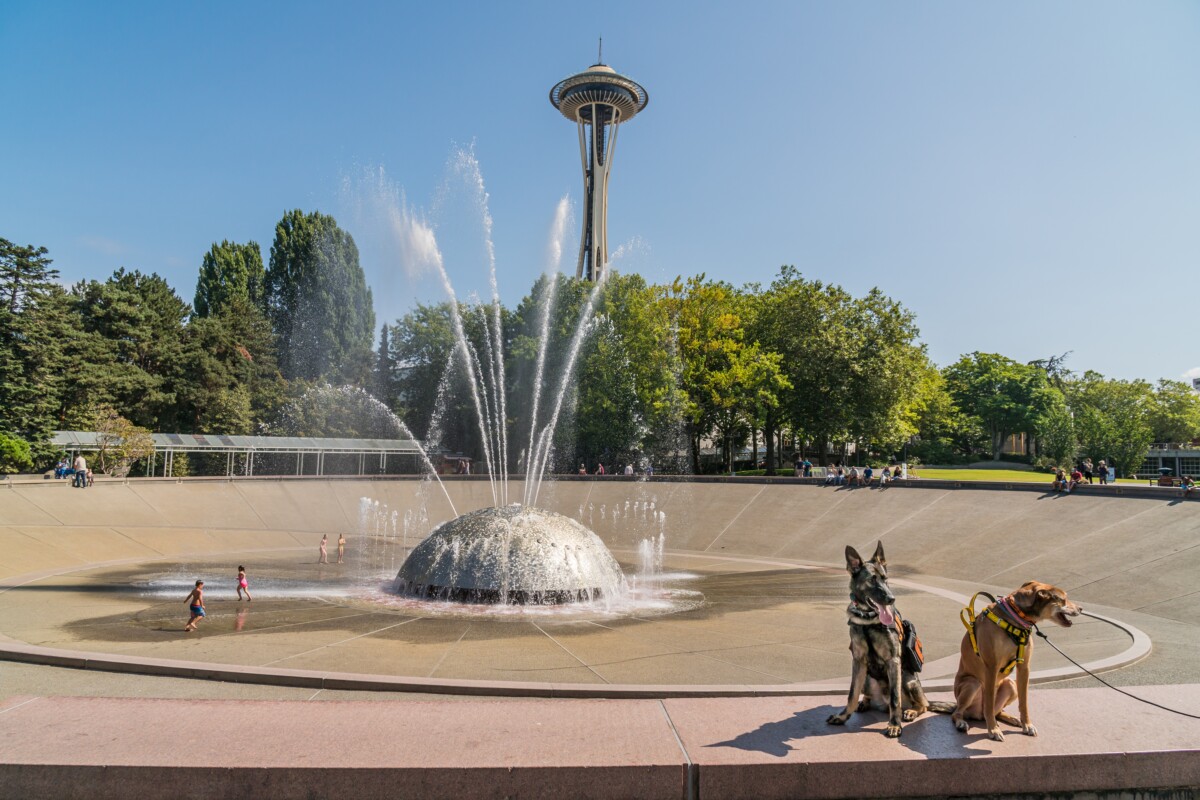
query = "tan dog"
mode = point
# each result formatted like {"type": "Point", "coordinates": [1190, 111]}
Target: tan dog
{"type": "Point", "coordinates": [981, 687]}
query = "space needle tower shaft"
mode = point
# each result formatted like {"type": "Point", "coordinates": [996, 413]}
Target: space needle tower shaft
{"type": "Point", "coordinates": [597, 100]}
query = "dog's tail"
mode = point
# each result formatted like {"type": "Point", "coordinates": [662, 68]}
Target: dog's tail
{"type": "Point", "coordinates": [941, 707]}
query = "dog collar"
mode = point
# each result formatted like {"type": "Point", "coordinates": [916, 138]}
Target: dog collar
{"type": "Point", "coordinates": [1009, 609]}
{"type": "Point", "coordinates": [859, 611]}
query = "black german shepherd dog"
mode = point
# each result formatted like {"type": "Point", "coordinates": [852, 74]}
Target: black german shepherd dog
{"type": "Point", "coordinates": [876, 646]}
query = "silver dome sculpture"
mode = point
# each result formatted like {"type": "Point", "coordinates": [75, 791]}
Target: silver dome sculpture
{"type": "Point", "coordinates": [511, 555]}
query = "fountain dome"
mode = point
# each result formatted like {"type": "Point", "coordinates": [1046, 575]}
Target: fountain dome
{"type": "Point", "coordinates": [514, 554]}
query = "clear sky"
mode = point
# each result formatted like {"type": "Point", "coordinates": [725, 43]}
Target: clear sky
{"type": "Point", "coordinates": [1025, 176]}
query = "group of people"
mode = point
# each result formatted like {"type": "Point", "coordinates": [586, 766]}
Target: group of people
{"type": "Point", "coordinates": [627, 470]}
{"type": "Point", "coordinates": [77, 471]}
{"type": "Point", "coordinates": [837, 475]}
{"type": "Point", "coordinates": [1083, 471]}
{"type": "Point", "coordinates": [341, 545]}
{"type": "Point", "coordinates": [195, 599]}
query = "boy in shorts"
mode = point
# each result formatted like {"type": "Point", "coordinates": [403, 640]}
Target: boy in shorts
{"type": "Point", "coordinates": [195, 602]}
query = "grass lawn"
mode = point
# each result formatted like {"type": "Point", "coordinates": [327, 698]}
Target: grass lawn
{"type": "Point", "coordinates": [1006, 475]}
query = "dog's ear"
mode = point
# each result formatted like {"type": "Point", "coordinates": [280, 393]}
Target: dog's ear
{"type": "Point", "coordinates": [854, 561]}
{"type": "Point", "coordinates": [1024, 597]}
{"type": "Point", "coordinates": [879, 558]}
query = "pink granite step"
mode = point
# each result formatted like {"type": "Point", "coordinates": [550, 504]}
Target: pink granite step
{"type": "Point", "coordinates": [1091, 740]}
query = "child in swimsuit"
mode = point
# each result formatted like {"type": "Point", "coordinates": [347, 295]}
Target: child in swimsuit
{"type": "Point", "coordinates": [243, 586]}
{"type": "Point", "coordinates": [195, 602]}
{"type": "Point", "coordinates": [324, 559]}
{"type": "Point", "coordinates": [341, 546]}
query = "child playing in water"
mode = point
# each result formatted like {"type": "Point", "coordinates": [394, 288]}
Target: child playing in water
{"type": "Point", "coordinates": [341, 546]}
{"type": "Point", "coordinates": [195, 602]}
{"type": "Point", "coordinates": [243, 586]}
{"type": "Point", "coordinates": [324, 559]}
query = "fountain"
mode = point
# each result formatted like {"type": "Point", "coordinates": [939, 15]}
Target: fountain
{"type": "Point", "coordinates": [510, 553]}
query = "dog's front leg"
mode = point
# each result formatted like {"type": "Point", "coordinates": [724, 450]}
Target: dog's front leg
{"type": "Point", "coordinates": [858, 676]}
{"type": "Point", "coordinates": [991, 676]}
{"type": "Point", "coordinates": [1023, 695]}
{"type": "Point", "coordinates": [895, 703]}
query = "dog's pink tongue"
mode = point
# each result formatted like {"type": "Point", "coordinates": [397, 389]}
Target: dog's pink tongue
{"type": "Point", "coordinates": [885, 613]}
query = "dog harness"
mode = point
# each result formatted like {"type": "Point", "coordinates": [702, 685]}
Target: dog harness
{"type": "Point", "coordinates": [912, 654]}
{"type": "Point", "coordinates": [1008, 617]}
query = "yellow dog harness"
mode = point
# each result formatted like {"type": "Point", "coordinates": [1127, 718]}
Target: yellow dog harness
{"type": "Point", "coordinates": [1016, 633]}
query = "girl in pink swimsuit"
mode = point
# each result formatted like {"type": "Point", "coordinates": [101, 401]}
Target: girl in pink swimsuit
{"type": "Point", "coordinates": [243, 586]}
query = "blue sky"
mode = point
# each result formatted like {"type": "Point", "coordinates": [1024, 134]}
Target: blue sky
{"type": "Point", "coordinates": [1023, 176]}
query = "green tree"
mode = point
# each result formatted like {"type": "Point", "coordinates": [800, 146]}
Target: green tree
{"type": "Point", "coordinates": [641, 318]}
{"type": "Point", "coordinates": [35, 324]}
{"type": "Point", "coordinates": [1175, 412]}
{"type": "Point", "coordinates": [15, 454]}
{"type": "Point", "coordinates": [120, 442]}
{"type": "Point", "coordinates": [607, 423]}
{"type": "Point", "coordinates": [229, 271]}
{"type": "Point", "coordinates": [318, 301]}
{"type": "Point", "coordinates": [228, 379]}
{"type": "Point", "coordinates": [129, 351]}
{"type": "Point", "coordinates": [1112, 419]}
{"type": "Point", "coordinates": [725, 378]}
{"type": "Point", "coordinates": [854, 365]}
{"type": "Point", "coordinates": [1002, 395]}
{"type": "Point", "coordinates": [339, 412]}
{"type": "Point", "coordinates": [1056, 437]}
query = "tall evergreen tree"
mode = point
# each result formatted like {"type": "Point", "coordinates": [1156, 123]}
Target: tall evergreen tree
{"type": "Point", "coordinates": [229, 378]}
{"type": "Point", "coordinates": [229, 271]}
{"type": "Point", "coordinates": [318, 301]}
{"type": "Point", "coordinates": [129, 351]}
{"type": "Point", "coordinates": [34, 325]}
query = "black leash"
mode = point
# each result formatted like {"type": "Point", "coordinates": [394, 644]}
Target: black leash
{"type": "Point", "coordinates": [1106, 683]}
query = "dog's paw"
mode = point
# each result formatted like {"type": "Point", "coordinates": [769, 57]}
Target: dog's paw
{"type": "Point", "coordinates": [909, 714]}
{"type": "Point", "coordinates": [864, 705]}
{"type": "Point", "coordinates": [996, 734]}
{"type": "Point", "coordinates": [1029, 730]}
{"type": "Point", "coordinates": [838, 719]}
{"type": "Point", "coordinates": [893, 731]}
{"type": "Point", "coordinates": [961, 724]}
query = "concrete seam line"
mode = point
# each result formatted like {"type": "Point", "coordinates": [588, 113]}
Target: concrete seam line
{"type": "Point", "coordinates": [736, 516]}
{"type": "Point", "coordinates": [692, 789]}
{"type": "Point", "coordinates": [27, 702]}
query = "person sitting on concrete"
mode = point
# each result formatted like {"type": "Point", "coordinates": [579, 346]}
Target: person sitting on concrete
{"type": "Point", "coordinates": [868, 476]}
{"type": "Point", "coordinates": [1187, 483]}
{"type": "Point", "coordinates": [1060, 480]}
{"type": "Point", "coordinates": [1076, 479]}
{"type": "Point", "coordinates": [830, 475]}
{"type": "Point", "coordinates": [854, 479]}
{"type": "Point", "coordinates": [885, 477]}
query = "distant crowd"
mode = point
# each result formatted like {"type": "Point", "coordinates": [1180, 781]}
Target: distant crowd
{"type": "Point", "coordinates": [838, 475]}
{"type": "Point", "coordinates": [627, 470]}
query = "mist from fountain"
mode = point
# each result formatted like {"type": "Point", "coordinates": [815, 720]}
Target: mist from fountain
{"type": "Point", "coordinates": [517, 553]}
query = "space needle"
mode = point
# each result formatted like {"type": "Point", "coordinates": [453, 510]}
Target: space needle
{"type": "Point", "coordinates": [597, 100]}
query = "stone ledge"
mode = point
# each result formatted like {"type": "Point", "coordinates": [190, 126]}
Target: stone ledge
{"type": "Point", "coordinates": [1092, 740]}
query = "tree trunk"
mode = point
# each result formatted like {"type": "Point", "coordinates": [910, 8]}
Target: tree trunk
{"type": "Point", "coordinates": [753, 447]}
{"type": "Point", "coordinates": [997, 444]}
{"type": "Point", "coordinates": [694, 441]}
{"type": "Point", "coordinates": [769, 436]}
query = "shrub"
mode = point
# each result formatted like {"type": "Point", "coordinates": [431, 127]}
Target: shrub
{"type": "Point", "coordinates": [15, 454]}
